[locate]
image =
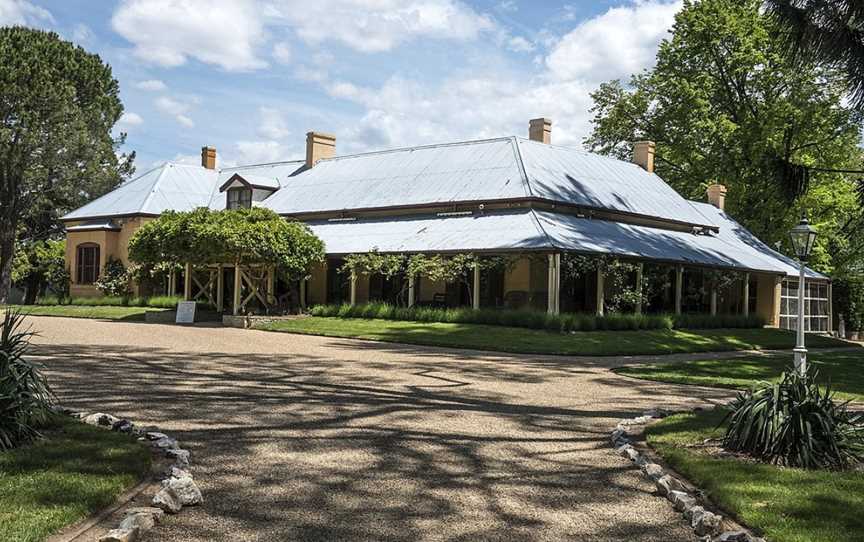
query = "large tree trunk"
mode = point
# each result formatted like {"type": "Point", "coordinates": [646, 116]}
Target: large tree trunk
{"type": "Point", "coordinates": [7, 253]}
{"type": "Point", "coordinates": [33, 286]}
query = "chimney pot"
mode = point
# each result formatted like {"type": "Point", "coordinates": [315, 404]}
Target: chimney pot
{"type": "Point", "coordinates": [643, 155]}
{"type": "Point", "coordinates": [540, 130]}
{"type": "Point", "coordinates": [318, 146]}
{"type": "Point", "coordinates": [717, 195]}
{"type": "Point", "coordinates": [208, 157]}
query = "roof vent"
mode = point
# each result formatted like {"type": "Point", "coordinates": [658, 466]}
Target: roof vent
{"type": "Point", "coordinates": [540, 130]}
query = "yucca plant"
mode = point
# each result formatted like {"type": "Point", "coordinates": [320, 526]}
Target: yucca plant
{"type": "Point", "coordinates": [25, 397]}
{"type": "Point", "coordinates": [795, 423]}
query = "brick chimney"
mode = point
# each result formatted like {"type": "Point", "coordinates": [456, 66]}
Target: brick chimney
{"type": "Point", "coordinates": [717, 195]}
{"type": "Point", "coordinates": [319, 145]}
{"type": "Point", "coordinates": [643, 155]}
{"type": "Point", "coordinates": [208, 157]}
{"type": "Point", "coordinates": [540, 130]}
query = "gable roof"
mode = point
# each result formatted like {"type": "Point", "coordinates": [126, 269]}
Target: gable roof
{"type": "Point", "coordinates": [251, 181]}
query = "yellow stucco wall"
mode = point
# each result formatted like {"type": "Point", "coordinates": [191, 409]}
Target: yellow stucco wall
{"type": "Point", "coordinates": [768, 298]}
{"type": "Point", "coordinates": [316, 288]}
{"type": "Point", "coordinates": [111, 244]}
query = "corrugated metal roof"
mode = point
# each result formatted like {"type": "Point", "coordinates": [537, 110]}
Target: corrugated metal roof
{"type": "Point", "coordinates": [517, 230]}
{"type": "Point", "coordinates": [543, 230]}
{"type": "Point", "coordinates": [170, 186]}
{"type": "Point", "coordinates": [474, 170]}
{"type": "Point", "coordinates": [591, 180]}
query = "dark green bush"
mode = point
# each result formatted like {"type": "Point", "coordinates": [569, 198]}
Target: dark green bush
{"type": "Point", "coordinates": [795, 423]}
{"type": "Point", "coordinates": [25, 397]}
{"type": "Point", "coordinates": [707, 321]}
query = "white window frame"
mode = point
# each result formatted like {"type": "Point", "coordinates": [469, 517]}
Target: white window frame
{"type": "Point", "coordinates": [815, 297]}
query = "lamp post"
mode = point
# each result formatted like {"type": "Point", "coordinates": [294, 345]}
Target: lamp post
{"type": "Point", "coordinates": [803, 236]}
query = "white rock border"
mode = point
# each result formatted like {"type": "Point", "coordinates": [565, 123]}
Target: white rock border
{"type": "Point", "coordinates": [704, 523]}
{"type": "Point", "coordinates": [178, 488]}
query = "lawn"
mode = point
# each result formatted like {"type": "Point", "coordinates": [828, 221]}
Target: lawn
{"type": "Point", "coordinates": [135, 314]}
{"type": "Point", "coordinates": [845, 371]}
{"type": "Point", "coordinates": [75, 471]}
{"type": "Point", "coordinates": [531, 341]}
{"type": "Point", "coordinates": [787, 505]}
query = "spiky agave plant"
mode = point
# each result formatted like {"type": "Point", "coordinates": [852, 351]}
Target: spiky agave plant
{"type": "Point", "coordinates": [25, 396]}
{"type": "Point", "coordinates": [795, 423]}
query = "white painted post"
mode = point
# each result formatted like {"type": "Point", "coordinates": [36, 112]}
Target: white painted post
{"type": "Point", "coordinates": [713, 301]}
{"type": "Point", "coordinates": [172, 282]}
{"type": "Point", "coordinates": [353, 288]}
{"type": "Point", "coordinates": [679, 288]}
{"type": "Point", "coordinates": [830, 307]}
{"type": "Point", "coordinates": [411, 291]}
{"type": "Point", "coordinates": [475, 293]}
{"type": "Point", "coordinates": [557, 298]}
{"type": "Point", "coordinates": [601, 292]}
{"type": "Point", "coordinates": [187, 282]}
{"type": "Point", "coordinates": [639, 288]}
{"type": "Point", "coordinates": [554, 283]}
{"type": "Point", "coordinates": [271, 285]}
{"type": "Point", "coordinates": [220, 289]}
{"type": "Point", "coordinates": [746, 294]}
{"type": "Point", "coordinates": [238, 285]}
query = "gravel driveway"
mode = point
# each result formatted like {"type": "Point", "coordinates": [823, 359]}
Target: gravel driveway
{"type": "Point", "coordinates": [310, 438]}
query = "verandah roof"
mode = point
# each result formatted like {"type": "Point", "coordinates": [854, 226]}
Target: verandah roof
{"type": "Point", "coordinates": [535, 230]}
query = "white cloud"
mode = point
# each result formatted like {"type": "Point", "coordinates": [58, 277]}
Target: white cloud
{"type": "Point", "coordinates": [151, 85]}
{"type": "Point", "coordinates": [185, 121]}
{"type": "Point", "coordinates": [491, 102]}
{"type": "Point", "coordinates": [175, 108]}
{"type": "Point", "coordinates": [282, 52]}
{"type": "Point", "coordinates": [518, 44]}
{"type": "Point", "coordinates": [508, 5]}
{"type": "Point", "coordinates": [272, 124]}
{"type": "Point", "coordinates": [261, 152]}
{"type": "Point", "coordinates": [130, 119]}
{"type": "Point", "coordinates": [21, 12]}
{"type": "Point", "coordinates": [81, 33]}
{"type": "Point", "coordinates": [169, 32]}
{"type": "Point", "coordinates": [621, 41]}
{"type": "Point", "coordinates": [380, 25]}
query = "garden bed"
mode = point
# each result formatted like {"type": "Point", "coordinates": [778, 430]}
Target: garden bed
{"type": "Point", "coordinates": [785, 504]}
{"type": "Point", "coordinates": [534, 341]}
{"type": "Point", "coordinates": [75, 471]}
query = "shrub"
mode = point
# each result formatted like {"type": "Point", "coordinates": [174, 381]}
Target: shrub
{"type": "Point", "coordinates": [114, 281]}
{"type": "Point", "coordinates": [707, 321]}
{"type": "Point", "coordinates": [25, 396]}
{"type": "Point", "coordinates": [795, 423]}
{"type": "Point", "coordinates": [164, 301]}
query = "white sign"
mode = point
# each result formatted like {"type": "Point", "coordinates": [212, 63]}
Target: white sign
{"type": "Point", "coordinates": [185, 312]}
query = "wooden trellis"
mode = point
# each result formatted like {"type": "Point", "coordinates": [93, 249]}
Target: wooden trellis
{"type": "Point", "coordinates": [259, 283]}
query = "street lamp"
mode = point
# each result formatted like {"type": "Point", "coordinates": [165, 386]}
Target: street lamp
{"type": "Point", "coordinates": [803, 236]}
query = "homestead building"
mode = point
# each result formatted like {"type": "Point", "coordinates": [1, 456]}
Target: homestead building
{"type": "Point", "coordinates": [508, 195]}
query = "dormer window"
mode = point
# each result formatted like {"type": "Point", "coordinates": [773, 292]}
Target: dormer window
{"type": "Point", "coordinates": [239, 198]}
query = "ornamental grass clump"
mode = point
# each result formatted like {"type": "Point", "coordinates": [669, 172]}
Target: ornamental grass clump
{"type": "Point", "coordinates": [795, 423]}
{"type": "Point", "coordinates": [25, 397]}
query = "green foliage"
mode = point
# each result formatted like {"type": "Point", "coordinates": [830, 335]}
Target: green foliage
{"type": "Point", "coordinates": [618, 276]}
{"type": "Point", "coordinates": [795, 423]}
{"type": "Point", "coordinates": [718, 321]}
{"type": "Point", "coordinates": [25, 397]}
{"type": "Point", "coordinates": [511, 318]}
{"type": "Point", "coordinates": [57, 113]}
{"type": "Point", "coordinates": [113, 281]}
{"type": "Point", "coordinates": [725, 104]}
{"type": "Point", "coordinates": [849, 293]}
{"type": "Point", "coordinates": [164, 301]}
{"type": "Point", "coordinates": [253, 236]}
{"type": "Point", "coordinates": [39, 264]}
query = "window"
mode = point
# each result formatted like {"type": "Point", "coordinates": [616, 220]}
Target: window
{"type": "Point", "coordinates": [239, 198]}
{"type": "Point", "coordinates": [815, 306]}
{"type": "Point", "coordinates": [88, 263]}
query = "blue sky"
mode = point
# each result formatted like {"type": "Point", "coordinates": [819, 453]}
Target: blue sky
{"type": "Point", "coordinates": [251, 77]}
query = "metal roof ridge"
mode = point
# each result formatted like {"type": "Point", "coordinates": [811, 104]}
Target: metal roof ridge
{"type": "Point", "coordinates": [418, 147]}
{"type": "Point", "coordinates": [536, 219]}
{"type": "Point", "coordinates": [264, 164]}
{"type": "Point", "coordinates": [526, 183]}
{"type": "Point", "coordinates": [155, 186]}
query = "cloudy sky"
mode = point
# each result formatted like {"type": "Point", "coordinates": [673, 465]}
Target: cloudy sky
{"type": "Point", "coordinates": [251, 77]}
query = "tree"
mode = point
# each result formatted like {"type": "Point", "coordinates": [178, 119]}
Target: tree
{"type": "Point", "coordinates": [39, 264]}
{"type": "Point", "coordinates": [57, 108]}
{"type": "Point", "coordinates": [826, 31]}
{"type": "Point", "coordinates": [725, 104]}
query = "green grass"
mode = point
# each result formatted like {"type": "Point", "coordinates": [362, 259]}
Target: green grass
{"type": "Point", "coordinates": [84, 311]}
{"type": "Point", "coordinates": [75, 471]}
{"type": "Point", "coordinates": [531, 341]}
{"type": "Point", "coordinates": [787, 505]}
{"type": "Point", "coordinates": [845, 371]}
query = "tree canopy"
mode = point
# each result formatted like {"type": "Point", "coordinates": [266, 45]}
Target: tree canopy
{"type": "Point", "coordinates": [58, 106]}
{"type": "Point", "coordinates": [725, 104]}
{"type": "Point", "coordinates": [239, 236]}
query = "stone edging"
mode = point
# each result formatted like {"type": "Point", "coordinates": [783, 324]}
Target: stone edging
{"type": "Point", "coordinates": [705, 524]}
{"type": "Point", "coordinates": [177, 488]}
